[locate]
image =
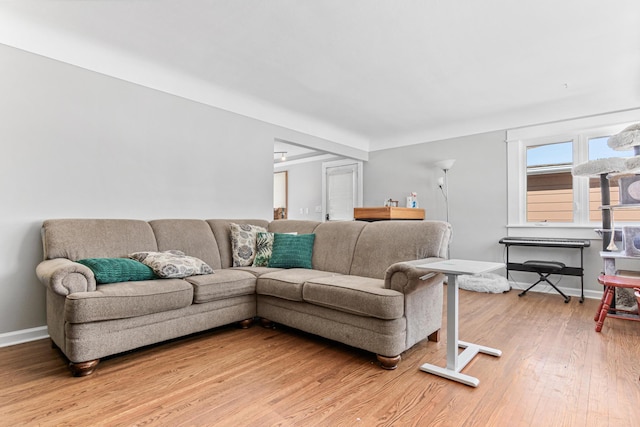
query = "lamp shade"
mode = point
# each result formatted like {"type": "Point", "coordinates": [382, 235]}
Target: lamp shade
{"type": "Point", "coordinates": [445, 165]}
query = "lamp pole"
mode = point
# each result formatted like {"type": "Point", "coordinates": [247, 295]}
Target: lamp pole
{"type": "Point", "coordinates": [445, 165]}
{"type": "Point", "coordinates": [446, 192]}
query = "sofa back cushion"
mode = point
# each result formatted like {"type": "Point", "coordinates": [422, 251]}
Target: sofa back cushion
{"type": "Point", "coordinates": [293, 226]}
{"type": "Point", "coordinates": [335, 244]}
{"type": "Point", "coordinates": [384, 243]}
{"type": "Point", "coordinates": [222, 231]}
{"type": "Point", "coordinates": [95, 238]}
{"type": "Point", "coordinates": [191, 236]}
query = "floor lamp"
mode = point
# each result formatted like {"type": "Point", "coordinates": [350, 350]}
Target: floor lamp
{"type": "Point", "coordinates": [445, 165]}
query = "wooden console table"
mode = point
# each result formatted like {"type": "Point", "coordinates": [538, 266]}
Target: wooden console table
{"type": "Point", "coordinates": [386, 213]}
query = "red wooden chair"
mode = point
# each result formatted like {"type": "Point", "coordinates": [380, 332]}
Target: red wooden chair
{"type": "Point", "coordinates": [610, 284]}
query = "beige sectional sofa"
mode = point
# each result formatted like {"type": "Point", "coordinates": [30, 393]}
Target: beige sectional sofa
{"type": "Point", "coordinates": [363, 290]}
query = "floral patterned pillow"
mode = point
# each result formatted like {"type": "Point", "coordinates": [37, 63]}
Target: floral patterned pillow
{"type": "Point", "coordinates": [243, 243]}
{"type": "Point", "coordinates": [172, 264]}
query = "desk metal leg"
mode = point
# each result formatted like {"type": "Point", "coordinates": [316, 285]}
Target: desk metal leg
{"type": "Point", "coordinates": [456, 362]}
{"type": "Point", "coordinates": [581, 275]}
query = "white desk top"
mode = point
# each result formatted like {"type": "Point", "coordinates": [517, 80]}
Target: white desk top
{"type": "Point", "coordinates": [461, 266]}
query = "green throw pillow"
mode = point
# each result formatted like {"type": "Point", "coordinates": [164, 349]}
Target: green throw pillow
{"type": "Point", "coordinates": [292, 251]}
{"type": "Point", "coordinates": [264, 247]}
{"type": "Point", "coordinates": [112, 270]}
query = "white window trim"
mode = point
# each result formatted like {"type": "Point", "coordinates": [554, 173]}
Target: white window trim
{"type": "Point", "coordinates": [579, 131]}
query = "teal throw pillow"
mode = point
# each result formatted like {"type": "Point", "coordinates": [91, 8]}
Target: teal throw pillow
{"type": "Point", "coordinates": [112, 270]}
{"type": "Point", "coordinates": [292, 251]}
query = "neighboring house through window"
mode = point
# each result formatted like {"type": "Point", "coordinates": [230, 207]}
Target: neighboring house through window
{"type": "Point", "coordinates": [549, 182]}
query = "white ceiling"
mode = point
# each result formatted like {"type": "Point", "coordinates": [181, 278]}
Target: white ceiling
{"type": "Point", "coordinates": [370, 74]}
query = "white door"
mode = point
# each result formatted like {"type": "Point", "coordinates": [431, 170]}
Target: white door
{"type": "Point", "coordinates": [341, 188]}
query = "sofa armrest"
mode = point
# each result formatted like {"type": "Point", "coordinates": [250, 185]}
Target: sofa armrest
{"type": "Point", "coordinates": [65, 277]}
{"type": "Point", "coordinates": [406, 276]}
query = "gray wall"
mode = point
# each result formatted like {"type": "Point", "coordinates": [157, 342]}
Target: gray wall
{"type": "Point", "coordinates": [305, 190]}
{"type": "Point", "coordinates": [76, 143]}
{"type": "Point", "coordinates": [477, 188]}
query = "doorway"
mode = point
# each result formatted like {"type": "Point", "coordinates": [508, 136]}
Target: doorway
{"type": "Point", "coordinates": [280, 195]}
{"type": "Point", "coordinates": [341, 189]}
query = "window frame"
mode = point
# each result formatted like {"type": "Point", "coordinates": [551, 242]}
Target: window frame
{"type": "Point", "coordinates": [579, 132]}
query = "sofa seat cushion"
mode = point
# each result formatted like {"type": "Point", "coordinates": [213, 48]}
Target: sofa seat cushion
{"type": "Point", "coordinates": [288, 283]}
{"type": "Point", "coordinates": [257, 271]}
{"type": "Point", "coordinates": [225, 283]}
{"type": "Point", "coordinates": [363, 296]}
{"type": "Point", "coordinates": [127, 299]}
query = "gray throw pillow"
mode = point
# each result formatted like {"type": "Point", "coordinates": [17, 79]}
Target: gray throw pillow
{"type": "Point", "coordinates": [172, 264]}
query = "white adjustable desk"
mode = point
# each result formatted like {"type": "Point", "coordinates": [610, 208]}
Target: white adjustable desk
{"type": "Point", "coordinates": [456, 362]}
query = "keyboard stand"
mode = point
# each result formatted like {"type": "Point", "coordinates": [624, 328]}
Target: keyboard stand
{"type": "Point", "coordinates": [565, 271]}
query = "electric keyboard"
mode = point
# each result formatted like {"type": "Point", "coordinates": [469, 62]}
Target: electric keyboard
{"type": "Point", "coordinates": [545, 242]}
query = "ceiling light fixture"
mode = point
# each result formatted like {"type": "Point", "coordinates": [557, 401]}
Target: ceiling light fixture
{"type": "Point", "coordinates": [283, 155]}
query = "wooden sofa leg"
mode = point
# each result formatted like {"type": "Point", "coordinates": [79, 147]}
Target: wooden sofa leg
{"type": "Point", "coordinates": [245, 324]}
{"type": "Point", "coordinates": [435, 337]}
{"type": "Point", "coordinates": [266, 323]}
{"type": "Point", "coordinates": [82, 369]}
{"type": "Point", "coordinates": [387, 362]}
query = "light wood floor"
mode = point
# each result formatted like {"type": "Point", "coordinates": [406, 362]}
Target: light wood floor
{"type": "Point", "coordinates": [555, 371]}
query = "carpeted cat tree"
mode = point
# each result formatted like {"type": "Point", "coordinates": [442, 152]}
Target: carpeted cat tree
{"type": "Point", "coordinates": [605, 169]}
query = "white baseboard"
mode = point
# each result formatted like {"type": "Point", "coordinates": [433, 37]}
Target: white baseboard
{"type": "Point", "coordinates": [25, 335]}
{"type": "Point", "coordinates": [546, 289]}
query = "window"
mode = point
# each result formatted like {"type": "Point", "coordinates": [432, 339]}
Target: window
{"type": "Point", "coordinates": [541, 189]}
{"type": "Point", "coordinates": [598, 149]}
{"type": "Point", "coordinates": [549, 182]}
